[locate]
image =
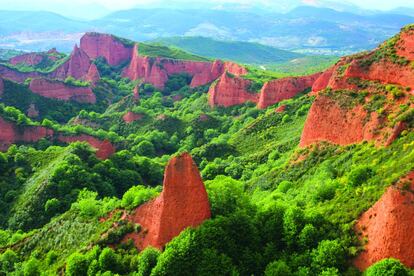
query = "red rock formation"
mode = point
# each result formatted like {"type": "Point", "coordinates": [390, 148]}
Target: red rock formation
{"type": "Point", "coordinates": [10, 133]}
{"type": "Point", "coordinates": [405, 45]}
{"type": "Point", "coordinates": [14, 75]}
{"type": "Point", "coordinates": [136, 93]}
{"type": "Point", "coordinates": [107, 46]}
{"type": "Point", "coordinates": [388, 226]}
{"type": "Point", "coordinates": [281, 109]}
{"type": "Point", "coordinates": [32, 112]}
{"type": "Point", "coordinates": [93, 74]}
{"type": "Point", "coordinates": [322, 81]}
{"type": "Point", "coordinates": [104, 148]}
{"type": "Point", "coordinates": [1, 86]}
{"type": "Point", "coordinates": [59, 90]}
{"type": "Point", "coordinates": [130, 117]}
{"type": "Point", "coordinates": [183, 203]}
{"type": "Point", "coordinates": [157, 70]}
{"type": "Point", "coordinates": [229, 91]}
{"type": "Point", "coordinates": [327, 121]}
{"type": "Point", "coordinates": [281, 89]}
{"type": "Point", "coordinates": [30, 59]}
{"type": "Point", "coordinates": [77, 66]}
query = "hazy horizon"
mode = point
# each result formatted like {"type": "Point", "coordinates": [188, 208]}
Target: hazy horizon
{"type": "Point", "coordinates": [90, 9]}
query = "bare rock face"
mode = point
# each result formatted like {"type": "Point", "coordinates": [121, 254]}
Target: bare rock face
{"type": "Point", "coordinates": [388, 226]}
{"type": "Point", "coordinates": [183, 203]}
{"type": "Point", "coordinates": [104, 148]}
{"type": "Point", "coordinates": [105, 45]}
{"type": "Point", "coordinates": [156, 70]}
{"type": "Point", "coordinates": [10, 134]}
{"type": "Point", "coordinates": [32, 111]}
{"type": "Point", "coordinates": [93, 75]}
{"type": "Point", "coordinates": [131, 117]}
{"type": "Point", "coordinates": [31, 59]}
{"type": "Point", "coordinates": [62, 91]}
{"type": "Point", "coordinates": [1, 87]}
{"type": "Point", "coordinates": [369, 74]}
{"type": "Point", "coordinates": [77, 66]}
{"type": "Point", "coordinates": [231, 90]}
{"type": "Point", "coordinates": [285, 88]}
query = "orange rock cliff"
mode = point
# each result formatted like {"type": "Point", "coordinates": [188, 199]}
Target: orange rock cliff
{"type": "Point", "coordinates": [387, 226]}
{"type": "Point", "coordinates": [183, 203]}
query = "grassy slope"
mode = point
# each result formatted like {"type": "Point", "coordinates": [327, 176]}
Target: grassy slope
{"type": "Point", "coordinates": [244, 52]}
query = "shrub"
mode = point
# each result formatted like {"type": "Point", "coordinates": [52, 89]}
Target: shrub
{"type": "Point", "coordinates": [278, 268]}
{"type": "Point", "coordinates": [387, 267]}
{"type": "Point", "coordinates": [77, 264]}
{"type": "Point", "coordinates": [137, 195]}
{"type": "Point", "coordinates": [359, 175]}
{"type": "Point", "coordinates": [147, 260]}
{"type": "Point", "coordinates": [109, 260]}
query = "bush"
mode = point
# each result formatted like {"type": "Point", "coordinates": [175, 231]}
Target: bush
{"type": "Point", "coordinates": [328, 254]}
{"type": "Point", "coordinates": [147, 260]}
{"type": "Point", "coordinates": [387, 267]}
{"type": "Point", "coordinates": [359, 175]}
{"type": "Point", "coordinates": [137, 195]}
{"type": "Point", "coordinates": [109, 260]}
{"type": "Point", "coordinates": [145, 148]}
{"type": "Point", "coordinates": [77, 264]}
{"type": "Point", "coordinates": [278, 268]}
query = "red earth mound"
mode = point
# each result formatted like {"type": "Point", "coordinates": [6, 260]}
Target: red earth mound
{"type": "Point", "coordinates": [59, 90]}
{"type": "Point", "coordinates": [31, 59]}
{"type": "Point", "coordinates": [104, 148]}
{"type": "Point", "coordinates": [130, 117]}
{"type": "Point", "coordinates": [183, 203]}
{"type": "Point", "coordinates": [388, 226]}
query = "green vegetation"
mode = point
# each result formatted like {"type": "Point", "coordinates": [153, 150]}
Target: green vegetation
{"type": "Point", "coordinates": [157, 50]}
{"type": "Point", "coordinates": [276, 209]}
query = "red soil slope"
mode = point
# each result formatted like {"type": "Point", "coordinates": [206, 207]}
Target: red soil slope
{"type": "Point", "coordinates": [183, 203]}
{"type": "Point", "coordinates": [62, 91]}
{"type": "Point", "coordinates": [130, 117]}
{"type": "Point", "coordinates": [104, 148]}
{"type": "Point", "coordinates": [369, 73]}
{"type": "Point", "coordinates": [388, 226]}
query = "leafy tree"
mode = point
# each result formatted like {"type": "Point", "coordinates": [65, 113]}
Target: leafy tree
{"type": "Point", "coordinates": [278, 268]}
{"type": "Point", "coordinates": [77, 264]}
{"type": "Point", "coordinates": [388, 267]}
{"type": "Point", "coordinates": [147, 260]}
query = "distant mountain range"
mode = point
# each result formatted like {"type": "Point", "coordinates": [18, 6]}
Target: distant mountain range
{"type": "Point", "coordinates": [305, 29]}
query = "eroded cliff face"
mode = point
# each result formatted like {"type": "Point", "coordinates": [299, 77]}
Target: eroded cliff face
{"type": "Point", "coordinates": [183, 203]}
{"type": "Point", "coordinates": [105, 45]}
{"type": "Point", "coordinates": [31, 59]}
{"type": "Point", "coordinates": [16, 76]}
{"type": "Point", "coordinates": [93, 75]}
{"type": "Point", "coordinates": [77, 66]}
{"type": "Point", "coordinates": [156, 70]}
{"type": "Point", "coordinates": [368, 77]}
{"type": "Point", "coordinates": [62, 91]}
{"type": "Point", "coordinates": [281, 89]}
{"type": "Point", "coordinates": [104, 148]}
{"type": "Point", "coordinates": [231, 90]}
{"type": "Point", "coordinates": [387, 226]}
{"type": "Point", "coordinates": [1, 87]}
{"type": "Point", "coordinates": [10, 133]}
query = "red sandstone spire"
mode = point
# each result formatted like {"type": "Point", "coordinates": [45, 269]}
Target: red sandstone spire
{"type": "Point", "coordinates": [183, 203]}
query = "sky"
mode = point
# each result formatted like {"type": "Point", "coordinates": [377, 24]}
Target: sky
{"type": "Point", "coordinates": [97, 8]}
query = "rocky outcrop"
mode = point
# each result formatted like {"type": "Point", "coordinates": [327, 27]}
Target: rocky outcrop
{"type": "Point", "coordinates": [281, 89]}
{"type": "Point", "coordinates": [183, 203]}
{"type": "Point", "coordinates": [387, 226]}
{"type": "Point", "coordinates": [77, 66]}
{"type": "Point", "coordinates": [14, 75]}
{"type": "Point", "coordinates": [156, 70]}
{"type": "Point", "coordinates": [104, 148]}
{"type": "Point", "coordinates": [105, 45]}
{"type": "Point", "coordinates": [10, 133]}
{"type": "Point", "coordinates": [93, 75]}
{"type": "Point", "coordinates": [62, 91]}
{"type": "Point", "coordinates": [328, 121]}
{"type": "Point", "coordinates": [32, 111]}
{"type": "Point", "coordinates": [1, 87]}
{"type": "Point", "coordinates": [231, 90]}
{"type": "Point", "coordinates": [131, 117]}
{"type": "Point", "coordinates": [30, 59]}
